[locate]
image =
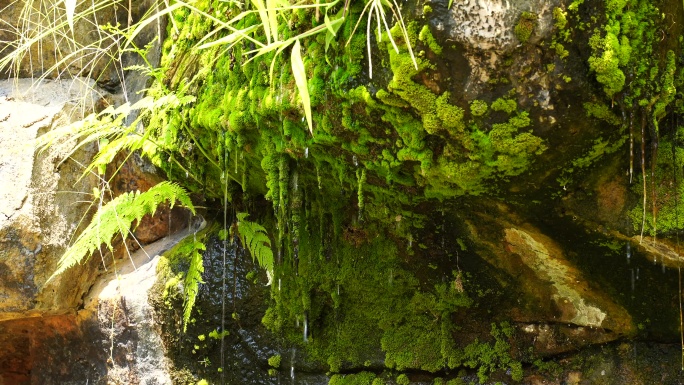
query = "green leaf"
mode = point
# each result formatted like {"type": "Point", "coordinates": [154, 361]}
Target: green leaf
{"type": "Point", "coordinates": [192, 280]}
{"type": "Point", "coordinates": [265, 22]}
{"type": "Point", "coordinates": [272, 11]}
{"type": "Point", "coordinates": [332, 26]}
{"type": "Point", "coordinates": [231, 38]}
{"type": "Point", "coordinates": [299, 73]}
{"type": "Point", "coordinates": [254, 238]}
{"type": "Point", "coordinates": [116, 217]}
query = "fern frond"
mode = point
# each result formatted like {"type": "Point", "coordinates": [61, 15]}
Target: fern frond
{"type": "Point", "coordinates": [192, 280]}
{"type": "Point", "coordinates": [254, 238]}
{"type": "Point", "coordinates": [116, 217]}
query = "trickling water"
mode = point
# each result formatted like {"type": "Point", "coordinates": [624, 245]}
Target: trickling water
{"type": "Point", "coordinates": [306, 152]}
{"type": "Point", "coordinates": [292, 362]}
{"type": "Point", "coordinates": [279, 283]}
{"type": "Point", "coordinates": [629, 252]}
{"type": "Point", "coordinates": [306, 327]}
{"type": "Point", "coordinates": [355, 160]}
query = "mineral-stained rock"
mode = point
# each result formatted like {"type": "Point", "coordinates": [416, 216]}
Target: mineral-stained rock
{"type": "Point", "coordinates": [43, 196]}
{"type": "Point", "coordinates": [44, 202]}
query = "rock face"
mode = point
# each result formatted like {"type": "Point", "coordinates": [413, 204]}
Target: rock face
{"type": "Point", "coordinates": [44, 198]}
{"type": "Point", "coordinates": [46, 334]}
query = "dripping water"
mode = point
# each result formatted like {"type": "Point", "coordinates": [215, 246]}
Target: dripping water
{"type": "Point", "coordinates": [292, 363]}
{"type": "Point", "coordinates": [306, 325]}
{"type": "Point", "coordinates": [223, 274]}
{"type": "Point", "coordinates": [629, 252]}
{"type": "Point", "coordinates": [676, 202]}
{"type": "Point", "coordinates": [643, 172]}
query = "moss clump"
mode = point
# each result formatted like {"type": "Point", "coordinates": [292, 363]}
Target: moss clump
{"type": "Point", "coordinates": [363, 378]}
{"type": "Point", "coordinates": [525, 26]}
{"type": "Point", "coordinates": [488, 357]}
{"type": "Point", "coordinates": [478, 108]}
{"type": "Point", "coordinates": [425, 36]}
{"type": "Point", "coordinates": [560, 18]}
{"type": "Point", "coordinates": [506, 105]}
{"type": "Point", "coordinates": [602, 112]}
{"type": "Point", "coordinates": [274, 361]}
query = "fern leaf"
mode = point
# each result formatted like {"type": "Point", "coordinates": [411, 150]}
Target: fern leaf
{"type": "Point", "coordinates": [254, 238]}
{"type": "Point", "coordinates": [192, 280]}
{"type": "Point", "coordinates": [116, 217]}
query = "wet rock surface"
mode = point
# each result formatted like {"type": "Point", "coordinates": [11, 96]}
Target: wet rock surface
{"type": "Point", "coordinates": [235, 306]}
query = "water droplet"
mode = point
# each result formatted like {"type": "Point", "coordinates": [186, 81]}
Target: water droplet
{"type": "Point", "coordinates": [355, 160]}
{"type": "Point", "coordinates": [306, 152]}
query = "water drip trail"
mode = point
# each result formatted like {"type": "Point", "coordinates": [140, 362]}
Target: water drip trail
{"type": "Point", "coordinates": [643, 172]}
{"type": "Point", "coordinates": [654, 161]}
{"type": "Point", "coordinates": [629, 252]}
{"type": "Point", "coordinates": [223, 276]}
{"type": "Point", "coordinates": [679, 268]}
{"type": "Point", "coordinates": [292, 363]}
{"type": "Point", "coordinates": [306, 327]}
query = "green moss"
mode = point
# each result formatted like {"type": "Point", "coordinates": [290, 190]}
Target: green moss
{"type": "Point", "coordinates": [427, 10]}
{"type": "Point", "coordinates": [560, 50]}
{"type": "Point", "coordinates": [425, 36]}
{"type": "Point", "coordinates": [668, 169]}
{"type": "Point", "coordinates": [478, 107]}
{"type": "Point", "coordinates": [506, 105]}
{"type": "Point", "coordinates": [560, 18]}
{"type": "Point", "coordinates": [602, 112]}
{"type": "Point", "coordinates": [274, 361]}
{"type": "Point", "coordinates": [600, 148]}
{"type": "Point", "coordinates": [403, 379]}
{"type": "Point", "coordinates": [606, 64]}
{"type": "Point", "coordinates": [363, 378]}
{"type": "Point", "coordinates": [525, 26]}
